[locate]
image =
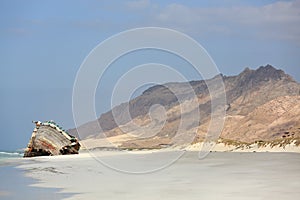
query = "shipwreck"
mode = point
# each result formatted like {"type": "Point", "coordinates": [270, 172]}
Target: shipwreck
{"type": "Point", "coordinates": [49, 139]}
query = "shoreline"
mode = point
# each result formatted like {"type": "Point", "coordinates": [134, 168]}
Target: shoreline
{"type": "Point", "coordinates": [16, 184]}
{"type": "Point", "coordinates": [60, 174]}
{"type": "Point", "coordinates": [245, 174]}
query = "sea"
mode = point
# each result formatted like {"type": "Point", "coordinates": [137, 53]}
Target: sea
{"type": "Point", "coordinates": [10, 154]}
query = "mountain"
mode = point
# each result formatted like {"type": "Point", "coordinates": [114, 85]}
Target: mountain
{"type": "Point", "coordinates": [262, 104]}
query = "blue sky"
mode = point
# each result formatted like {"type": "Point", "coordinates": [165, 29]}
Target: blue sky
{"type": "Point", "coordinates": [43, 44]}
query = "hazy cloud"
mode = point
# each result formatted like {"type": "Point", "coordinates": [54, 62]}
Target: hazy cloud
{"type": "Point", "coordinates": [139, 4]}
{"type": "Point", "coordinates": [279, 20]}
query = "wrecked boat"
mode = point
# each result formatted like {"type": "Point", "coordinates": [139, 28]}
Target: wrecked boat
{"type": "Point", "coordinates": [49, 139]}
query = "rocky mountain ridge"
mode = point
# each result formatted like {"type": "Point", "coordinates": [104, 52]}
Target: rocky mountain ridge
{"type": "Point", "coordinates": [261, 104]}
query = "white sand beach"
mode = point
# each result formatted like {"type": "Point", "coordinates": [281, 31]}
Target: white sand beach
{"type": "Point", "coordinates": [219, 176]}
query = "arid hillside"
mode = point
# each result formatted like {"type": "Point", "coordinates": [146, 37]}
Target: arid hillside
{"type": "Point", "coordinates": [261, 105]}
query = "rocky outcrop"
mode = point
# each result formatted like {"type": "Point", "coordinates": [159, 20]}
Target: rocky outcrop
{"type": "Point", "coordinates": [50, 139]}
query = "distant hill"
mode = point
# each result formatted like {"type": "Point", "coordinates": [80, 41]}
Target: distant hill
{"type": "Point", "coordinates": [262, 104]}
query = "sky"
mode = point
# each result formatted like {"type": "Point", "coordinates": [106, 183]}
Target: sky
{"type": "Point", "coordinates": [43, 44]}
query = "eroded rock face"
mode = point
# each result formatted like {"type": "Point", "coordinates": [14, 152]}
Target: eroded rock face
{"type": "Point", "coordinates": [49, 139]}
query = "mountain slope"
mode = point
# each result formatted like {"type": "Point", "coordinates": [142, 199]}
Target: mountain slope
{"type": "Point", "coordinates": [259, 106]}
{"type": "Point", "coordinates": [276, 119]}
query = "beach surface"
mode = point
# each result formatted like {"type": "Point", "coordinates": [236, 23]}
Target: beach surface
{"type": "Point", "coordinates": [169, 175]}
{"type": "Point", "coordinates": [15, 186]}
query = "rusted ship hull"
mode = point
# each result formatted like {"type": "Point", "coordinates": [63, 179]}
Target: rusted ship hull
{"type": "Point", "coordinates": [49, 139]}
